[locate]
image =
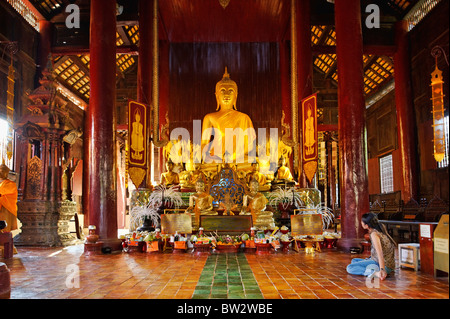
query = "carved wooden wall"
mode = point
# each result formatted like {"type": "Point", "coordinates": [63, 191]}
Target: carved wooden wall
{"type": "Point", "coordinates": [195, 68]}
{"type": "Point", "coordinates": [430, 32]}
{"type": "Point", "coordinates": [382, 140]}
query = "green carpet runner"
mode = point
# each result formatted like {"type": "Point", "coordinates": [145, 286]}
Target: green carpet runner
{"type": "Point", "coordinates": [227, 276]}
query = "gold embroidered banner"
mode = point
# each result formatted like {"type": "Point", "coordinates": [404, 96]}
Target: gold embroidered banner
{"type": "Point", "coordinates": [310, 137]}
{"type": "Point", "coordinates": [137, 141]}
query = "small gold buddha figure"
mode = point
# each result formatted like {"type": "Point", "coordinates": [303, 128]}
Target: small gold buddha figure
{"type": "Point", "coordinates": [255, 203]}
{"type": "Point", "coordinates": [283, 172]}
{"type": "Point", "coordinates": [310, 140]}
{"type": "Point", "coordinates": [227, 117]}
{"type": "Point", "coordinates": [195, 175]}
{"type": "Point", "coordinates": [255, 174]}
{"type": "Point", "coordinates": [137, 137]}
{"type": "Point", "coordinates": [170, 178]}
{"type": "Point", "coordinates": [200, 203]}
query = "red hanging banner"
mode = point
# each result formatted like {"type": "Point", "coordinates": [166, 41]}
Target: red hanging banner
{"type": "Point", "coordinates": [137, 141]}
{"type": "Point", "coordinates": [310, 138]}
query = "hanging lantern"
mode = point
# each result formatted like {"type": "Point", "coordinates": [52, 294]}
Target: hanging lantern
{"type": "Point", "coordinates": [437, 98]}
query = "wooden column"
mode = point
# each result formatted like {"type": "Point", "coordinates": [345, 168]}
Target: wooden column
{"type": "Point", "coordinates": [145, 68]}
{"type": "Point", "coordinates": [283, 48]}
{"type": "Point", "coordinates": [164, 94]}
{"type": "Point", "coordinates": [45, 44]}
{"type": "Point", "coordinates": [405, 113]}
{"type": "Point", "coordinates": [304, 70]}
{"type": "Point", "coordinates": [352, 143]}
{"type": "Point", "coordinates": [100, 154]}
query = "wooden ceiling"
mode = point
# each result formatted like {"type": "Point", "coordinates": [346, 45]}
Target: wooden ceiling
{"type": "Point", "coordinates": [240, 21]}
{"type": "Point", "coordinates": [207, 21]}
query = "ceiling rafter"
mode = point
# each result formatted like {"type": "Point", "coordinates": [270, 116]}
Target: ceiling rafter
{"type": "Point", "coordinates": [378, 69]}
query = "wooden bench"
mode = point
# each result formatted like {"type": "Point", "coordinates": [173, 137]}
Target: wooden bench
{"type": "Point", "coordinates": [434, 210]}
{"type": "Point", "coordinates": [410, 212]}
{"type": "Point", "coordinates": [388, 206]}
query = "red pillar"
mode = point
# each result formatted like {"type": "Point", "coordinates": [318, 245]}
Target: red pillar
{"type": "Point", "coordinates": [405, 112]}
{"type": "Point", "coordinates": [164, 93]}
{"type": "Point", "coordinates": [45, 45]}
{"type": "Point", "coordinates": [145, 67]}
{"type": "Point", "coordinates": [352, 155]}
{"type": "Point", "coordinates": [285, 85]}
{"type": "Point", "coordinates": [101, 123]}
{"type": "Point", "coordinates": [304, 69]}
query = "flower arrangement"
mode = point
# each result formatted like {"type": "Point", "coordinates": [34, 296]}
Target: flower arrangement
{"type": "Point", "coordinates": [285, 197]}
{"type": "Point", "coordinates": [148, 207]}
{"type": "Point", "coordinates": [228, 240]}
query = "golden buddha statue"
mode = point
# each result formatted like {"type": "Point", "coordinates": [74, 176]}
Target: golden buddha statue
{"type": "Point", "coordinates": [227, 117]}
{"type": "Point", "coordinates": [283, 172]}
{"type": "Point", "coordinates": [255, 174]}
{"type": "Point", "coordinates": [170, 178]}
{"type": "Point", "coordinates": [196, 174]}
{"type": "Point", "coordinates": [255, 203]}
{"type": "Point", "coordinates": [200, 203]}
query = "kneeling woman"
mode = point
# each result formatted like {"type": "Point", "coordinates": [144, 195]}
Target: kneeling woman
{"type": "Point", "coordinates": [382, 259]}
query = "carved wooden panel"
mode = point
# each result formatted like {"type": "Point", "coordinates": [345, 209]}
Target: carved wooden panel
{"type": "Point", "coordinates": [34, 175]}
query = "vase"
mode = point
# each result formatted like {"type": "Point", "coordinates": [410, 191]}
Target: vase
{"type": "Point", "coordinates": [285, 210]}
{"type": "Point", "coordinates": [146, 225]}
{"type": "Point", "coordinates": [92, 238]}
{"type": "Point", "coordinates": [285, 245]}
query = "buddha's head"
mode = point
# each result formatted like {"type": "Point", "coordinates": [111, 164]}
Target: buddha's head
{"type": "Point", "coordinates": [255, 167]}
{"type": "Point", "coordinates": [282, 161]}
{"type": "Point", "coordinates": [4, 171]}
{"type": "Point", "coordinates": [253, 186]}
{"type": "Point", "coordinates": [137, 116]}
{"type": "Point", "coordinates": [169, 165]}
{"type": "Point", "coordinates": [226, 92]}
{"type": "Point", "coordinates": [200, 185]}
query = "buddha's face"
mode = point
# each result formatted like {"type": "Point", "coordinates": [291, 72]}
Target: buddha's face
{"type": "Point", "coordinates": [4, 173]}
{"type": "Point", "coordinates": [282, 161]}
{"type": "Point", "coordinates": [226, 96]}
{"type": "Point", "coordinates": [200, 187]}
{"type": "Point", "coordinates": [253, 187]}
{"type": "Point", "coordinates": [169, 167]}
{"type": "Point", "coordinates": [255, 167]}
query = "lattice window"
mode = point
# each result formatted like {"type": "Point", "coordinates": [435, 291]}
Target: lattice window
{"type": "Point", "coordinates": [325, 61]}
{"type": "Point", "coordinates": [132, 33]}
{"type": "Point", "coordinates": [316, 33]}
{"type": "Point", "coordinates": [386, 174]}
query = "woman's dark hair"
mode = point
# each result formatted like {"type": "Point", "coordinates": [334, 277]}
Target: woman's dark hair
{"type": "Point", "coordinates": [371, 220]}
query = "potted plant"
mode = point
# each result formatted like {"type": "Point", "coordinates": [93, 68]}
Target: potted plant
{"type": "Point", "coordinates": [286, 200]}
{"type": "Point", "coordinates": [147, 211]}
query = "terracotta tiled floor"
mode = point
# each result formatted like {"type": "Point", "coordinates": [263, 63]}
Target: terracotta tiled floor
{"type": "Point", "coordinates": [48, 273]}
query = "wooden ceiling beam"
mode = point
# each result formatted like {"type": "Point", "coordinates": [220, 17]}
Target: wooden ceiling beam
{"type": "Point", "coordinates": [387, 50]}
{"type": "Point", "coordinates": [81, 50]}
